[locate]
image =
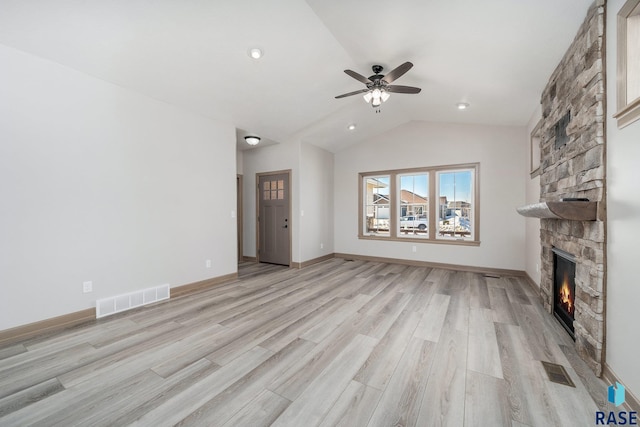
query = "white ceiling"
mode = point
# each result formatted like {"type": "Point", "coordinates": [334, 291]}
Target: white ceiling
{"type": "Point", "coordinates": [496, 55]}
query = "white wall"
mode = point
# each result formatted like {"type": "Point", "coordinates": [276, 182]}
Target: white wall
{"type": "Point", "coordinates": [98, 183]}
{"type": "Point", "coordinates": [501, 152]}
{"type": "Point", "coordinates": [316, 201]}
{"type": "Point", "coordinates": [239, 162]}
{"type": "Point", "coordinates": [269, 159]}
{"type": "Point", "coordinates": [532, 195]}
{"type": "Point", "coordinates": [623, 229]}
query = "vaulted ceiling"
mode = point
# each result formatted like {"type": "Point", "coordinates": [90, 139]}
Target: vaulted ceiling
{"type": "Point", "coordinates": [497, 55]}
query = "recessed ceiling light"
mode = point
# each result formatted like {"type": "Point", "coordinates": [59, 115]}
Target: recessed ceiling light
{"type": "Point", "coordinates": [255, 53]}
{"type": "Point", "coordinates": [351, 126]}
{"type": "Point", "coordinates": [462, 105]}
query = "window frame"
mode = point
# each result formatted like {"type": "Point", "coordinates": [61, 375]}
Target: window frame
{"type": "Point", "coordinates": [628, 109]}
{"type": "Point", "coordinates": [432, 200]}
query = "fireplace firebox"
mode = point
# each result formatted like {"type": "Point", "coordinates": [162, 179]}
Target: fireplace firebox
{"type": "Point", "coordinates": [564, 288]}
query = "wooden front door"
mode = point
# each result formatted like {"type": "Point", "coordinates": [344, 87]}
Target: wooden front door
{"type": "Point", "coordinates": [274, 225]}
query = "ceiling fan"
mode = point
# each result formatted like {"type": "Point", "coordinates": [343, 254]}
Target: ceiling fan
{"type": "Point", "coordinates": [378, 85]}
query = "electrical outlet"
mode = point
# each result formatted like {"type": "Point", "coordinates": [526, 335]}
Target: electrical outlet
{"type": "Point", "coordinates": [87, 287]}
{"type": "Point", "coordinates": [208, 263]}
{"type": "Point", "coordinates": [414, 249]}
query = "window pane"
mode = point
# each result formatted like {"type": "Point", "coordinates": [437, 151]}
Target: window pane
{"type": "Point", "coordinates": [376, 206]}
{"type": "Point", "coordinates": [414, 206]}
{"type": "Point", "coordinates": [455, 205]}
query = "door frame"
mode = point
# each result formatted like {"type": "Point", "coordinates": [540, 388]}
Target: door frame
{"type": "Point", "coordinates": [239, 216]}
{"type": "Point", "coordinates": [258, 176]}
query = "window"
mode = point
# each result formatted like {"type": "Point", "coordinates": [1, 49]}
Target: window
{"type": "Point", "coordinates": [628, 84]}
{"type": "Point", "coordinates": [435, 204]}
{"type": "Point", "coordinates": [455, 202]}
{"type": "Point", "coordinates": [414, 207]}
{"type": "Point", "coordinates": [377, 205]}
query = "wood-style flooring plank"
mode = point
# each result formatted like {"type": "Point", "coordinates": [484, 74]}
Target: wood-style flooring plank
{"type": "Point", "coordinates": [486, 401]}
{"type": "Point", "coordinates": [30, 395]}
{"type": "Point", "coordinates": [380, 365]}
{"type": "Point", "coordinates": [226, 404]}
{"type": "Point", "coordinates": [181, 405]}
{"type": "Point", "coordinates": [444, 397]}
{"type": "Point", "coordinates": [314, 363]}
{"type": "Point", "coordinates": [401, 400]}
{"type": "Point", "coordinates": [261, 411]}
{"type": "Point", "coordinates": [354, 406]}
{"type": "Point", "coordinates": [484, 356]}
{"type": "Point", "coordinates": [321, 394]}
{"type": "Point", "coordinates": [430, 325]}
{"type": "Point", "coordinates": [502, 309]}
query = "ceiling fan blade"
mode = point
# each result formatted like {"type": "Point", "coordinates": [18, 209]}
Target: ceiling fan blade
{"type": "Point", "coordinates": [402, 89]}
{"type": "Point", "coordinates": [355, 92]}
{"type": "Point", "coordinates": [358, 77]}
{"type": "Point", "coordinates": [397, 72]}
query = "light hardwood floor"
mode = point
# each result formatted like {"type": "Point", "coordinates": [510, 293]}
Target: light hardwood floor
{"type": "Point", "coordinates": [349, 343]}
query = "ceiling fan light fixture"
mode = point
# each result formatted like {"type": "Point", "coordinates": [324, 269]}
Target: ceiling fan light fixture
{"type": "Point", "coordinates": [375, 102]}
{"type": "Point", "coordinates": [255, 53]}
{"type": "Point", "coordinates": [367, 97]}
{"type": "Point", "coordinates": [252, 140]}
{"type": "Point", "coordinates": [385, 95]}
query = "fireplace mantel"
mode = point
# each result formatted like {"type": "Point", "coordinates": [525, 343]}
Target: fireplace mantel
{"type": "Point", "coordinates": [573, 210]}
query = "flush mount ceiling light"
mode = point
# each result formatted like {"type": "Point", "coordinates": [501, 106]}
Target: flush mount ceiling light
{"type": "Point", "coordinates": [462, 105]}
{"type": "Point", "coordinates": [255, 53]}
{"type": "Point", "coordinates": [252, 140]}
{"type": "Point", "coordinates": [352, 126]}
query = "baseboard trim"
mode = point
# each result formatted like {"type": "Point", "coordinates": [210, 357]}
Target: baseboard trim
{"type": "Point", "coordinates": [65, 321]}
{"type": "Point", "coordinates": [532, 283]}
{"type": "Point", "coordinates": [631, 402]}
{"type": "Point", "coordinates": [312, 261]}
{"type": "Point", "coordinates": [192, 288]}
{"type": "Point", "coordinates": [250, 258]}
{"type": "Point", "coordinates": [46, 326]}
{"type": "Point", "coordinates": [415, 263]}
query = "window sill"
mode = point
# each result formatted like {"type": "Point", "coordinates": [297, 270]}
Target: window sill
{"type": "Point", "coordinates": [421, 240]}
{"type": "Point", "coordinates": [629, 114]}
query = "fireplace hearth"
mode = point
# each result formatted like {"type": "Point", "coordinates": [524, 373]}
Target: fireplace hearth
{"type": "Point", "coordinates": [564, 289]}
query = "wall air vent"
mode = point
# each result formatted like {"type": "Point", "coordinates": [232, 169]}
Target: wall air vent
{"type": "Point", "coordinates": [119, 303]}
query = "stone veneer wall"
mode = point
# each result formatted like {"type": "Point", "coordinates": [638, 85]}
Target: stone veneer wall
{"type": "Point", "coordinates": [577, 169]}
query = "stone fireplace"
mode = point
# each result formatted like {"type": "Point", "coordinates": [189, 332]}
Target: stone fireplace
{"type": "Point", "coordinates": [572, 167]}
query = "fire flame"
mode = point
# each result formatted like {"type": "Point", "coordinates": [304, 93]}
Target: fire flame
{"type": "Point", "coordinates": [565, 294]}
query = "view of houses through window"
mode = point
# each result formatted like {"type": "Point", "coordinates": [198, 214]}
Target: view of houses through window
{"type": "Point", "coordinates": [397, 204]}
{"type": "Point", "coordinates": [377, 205]}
